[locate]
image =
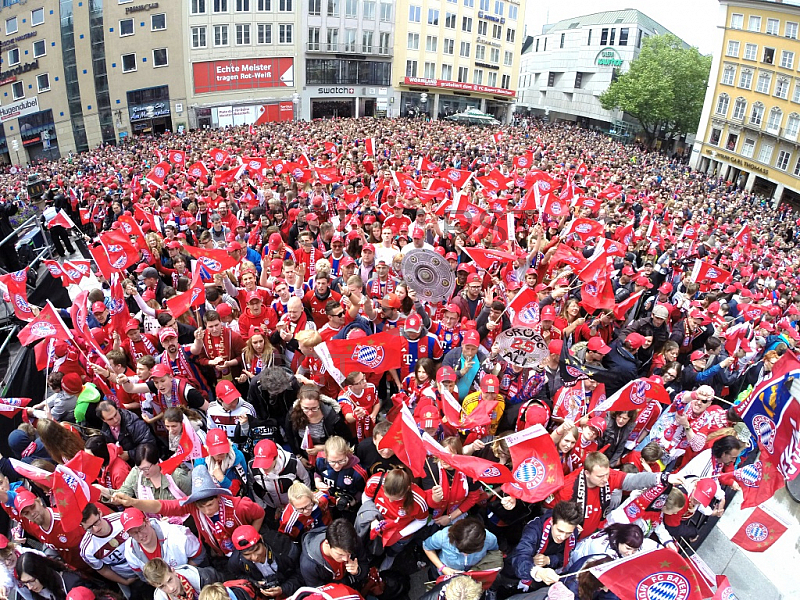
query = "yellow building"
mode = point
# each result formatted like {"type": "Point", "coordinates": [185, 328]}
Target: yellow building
{"type": "Point", "coordinates": [748, 131]}
{"type": "Point", "coordinates": [450, 55]}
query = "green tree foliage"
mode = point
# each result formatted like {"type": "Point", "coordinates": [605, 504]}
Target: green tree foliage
{"type": "Point", "coordinates": [664, 88]}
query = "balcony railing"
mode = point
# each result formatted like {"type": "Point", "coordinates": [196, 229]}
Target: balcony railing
{"type": "Point", "coordinates": [347, 48]}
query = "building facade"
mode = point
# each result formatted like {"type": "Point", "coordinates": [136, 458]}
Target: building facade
{"type": "Point", "coordinates": [450, 55]}
{"type": "Point", "coordinates": [748, 131]}
{"type": "Point", "coordinates": [566, 68]}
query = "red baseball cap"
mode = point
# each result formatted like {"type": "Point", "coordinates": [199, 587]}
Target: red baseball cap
{"type": "Point", "coordinates": [418, 234]}
{"type": "Point", "coordinates": [368, 248]}
{"type": "Point", "coordinates": [245, 537]}
{"type": "Point", "coordinates": [254, 295]}
{"type": "Point", "coordinates": [548, 313]}
{"type": "Point", "coordinates": [81, 593]}
{"type": "Point", "coordinates": [474, 278]}
{"type": "Point", "coordinates": [224, 310]}
{"type": "Point", "coordinates": [644, 281]}
{"type": "Point", "coordinates": [705, 491]}
{"type": "Point", "coordinates": [275, 241]}
{"type": "Point", "coordinates": [665, 288]}
{"type": "Point", "coordinates": [131, 325]}
{"type": "Point", "coordinates": [391, 300]}
{"type": "Point", "coordinates": [265, 453]}
{"type": "Point", "coordinates": [490, 385]}
{"type": "Point", "coordinates": [470, 337]}
{"type": "Point", "coordinates": [598, 424]}
{"type": "Point", "coordinates": [429, 418]}
{"type": "Point", "coordinates": [160, 370]}
{"type": "Point", "coordinates": [446, 373]}
{"type": "Point", "coordinates": [453, 308]}
{"type": "Point", "coordinates": [227, 392]}
{"type": "Point", "coordinates": [555, 346]}
{"type": "Point", "coordinates": [131, 518]}
{"type": "Point", "coordinates": [697, 355]}
{"type": "Point", "coordinates": [596, 344]}
{"type": "Point", "coordinates": [98, 307]}
{"type": "Point", "coordinates": [217, 442]}
{"type": "Point", "coordinates": [636, 340]}
{"type": "Point", "coordinates": [166, 333]}
{"type": "Point", "coordinates": [233, 246]}
{"type": "Point", "coordinates": [24, 499]}
{"type": "Point", "coordinates": [413, 323]}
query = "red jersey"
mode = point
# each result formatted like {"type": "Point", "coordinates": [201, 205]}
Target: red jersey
{"type": "Point", "coordinates": [266, 320]}
{"type": "Point", "coordinates": [327, 332]}
{"type": "Point", "coordinates": [397, 518]}
{"type": "Point", "coordinates": [457, 493]}
{"type": "Point", "coordinates": [317, 306]}
{"type": "Point", "coordinates": [593, 511]}
{"type": "Point", "coordinates": [396, 222]}
{"type": "Point", "coordinates": [349, 401]}
{"type": "Point", "coordinates": [293, 522]}
{"type": "Point", "coordinates": [146, 346]}
{"type": "Point", "coordinates": [66, 543]}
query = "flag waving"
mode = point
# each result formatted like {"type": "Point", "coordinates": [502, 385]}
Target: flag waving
{"type": "Point", "coordinates": [189, 447]}
{"type": "Point", "coordinates": [10, 406]}
{"type": "Point", "coordinates": [403, 437]}
{"type": "Point", "coordinates": [537, 470]}
{"type": "Point", "coordinates": [371, 354]}
{"type": "Point", "coordinates": [47, 324]}
{"type": "Point", "coordinates": [759, 531]}
{"type": "Point", "coordinates": [71, 494]}
{"type": "Point", "coordinates": [478, 469]}
{"type": "Point", "coordinates": [634, 396]}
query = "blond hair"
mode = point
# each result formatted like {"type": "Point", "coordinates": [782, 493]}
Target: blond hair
{"type": "Point", "coordinates": [214, 591]}
{"type": "Point", "coordinates": [337, 445]}
{"type": "Point", "coordinates": [156, 571]}
{"type": "Point", "coordinates": [463, 588]}
{"type": "Point", "coordinates": [308, 338]}
{"type": "Point", "coordinates": [299, 490]}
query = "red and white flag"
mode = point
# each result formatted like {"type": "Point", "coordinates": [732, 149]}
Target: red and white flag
{"type": "Point", "coordinates": [489, 260]}
{"type": "Point", "coordinates": [703, 271]}
{"type": "Point", "coordinates": [47, 324]}
{"type": "Point", "coordinates": [724, 589]}
{"type": "Point", "coordinates": [759, 531]}
{"type": "Point", "coordinates": [404, 438]}
{"type": "Point", "coordinates": [194, 297]}
{"type": "Point", "coordinates": [585, 228]}
{"type": "Point", "coordinates": [15, 291]}
{"type": "Point", "coordinates": [634, 396]}
{"type": "Point", "coordinates": [369, 146]}
{"type": "Point", "coordinates": [523, 310]}
{"type": "Point", "coordinates": [744, 237]}
{"type": "Point", "coordinates": [497, 137]}
{"type": "Point", "coordinates": [485, 578]}
{"type": "Point", "coordinates": [555, 206]}
{"type": "Point", "coordinates": [524, 161]}
{"type": "Point", "coordinates": [457, 177]}
{"type": "Point", "coordinates": [61, 219]}
{"type": "Point", "coordinates": [11, 406]}
{"type": "Point", "coordinates": [71, 494]}
{"type": "Point", "coordinates": [328, 175]}
{"type": "Point", "coordinates": [474, 467]}
{"type": "Point", "coordinates": [621, 309]}
{"type": "Point", "coordinates": [177, 158]}
{"type": "Point", "coordinates": [218, 156]}
{"type": "Point", "coordinates": [190, 447]}
{"type": "Point", "coordinates": [36, 474]}
{"type": "Point", "coordinates": [197, 170]}
{"type": "Point", "coordinates": [121, 253]}
{"type": "Point", "coordinates": [75, 270]}
{"type": "Point", "coordinates": [158, 174]}
{"type": "Point", "coordinates": [537, 470]}
{"type": "Point", "coordinates": [229, 176]}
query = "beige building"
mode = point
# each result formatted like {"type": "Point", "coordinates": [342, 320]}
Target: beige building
{"type": "Point", "coordinates": [452, 55]}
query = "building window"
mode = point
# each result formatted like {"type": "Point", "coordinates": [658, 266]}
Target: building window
{"type": "Point", "coordinates": [13, 56]}
{"type": "Point", "coordinates": [350, 9]}
{"type": "Point", "coordinates": [429, 71]}
{"type": "Point", "coordinates": [315, 7]}
{"type": "Point", "coordinates": [482, 27]}
{"type": "Point", "coordinates": [11, 25]}
{"type": "Point", "coordinates": [349, 40]}
{"type": "Point", "coordinates": [746, 79]}
{"type": "Point", "coordinates": [264, 35]}
{"type": "Point", "coordinates": [220, 35]}
{"type": "Point", "coordinates": [383, 48]}
{"type": "Point", "coordinates": [757, 114]}
{"type": "Point", "coordinates": [463, 74]}
{"type": "Point", "coordinates": [787, 59]}
{"type": "Point", "coordinates": [748, 147]}
{"type": "Point", "coordinates": [431, 43]}
{"type": "Point", "coordinates": [242, 5]}
{"type": "Point", "coordinates": [160, 58]}
{"type": "Point", "coordinates": [266, 5]}
{"type": "Point", "coordinates": [411, 68]}
{"type": "Point", "coordinates": [285, 6]}
{"type": "Point", "coordinates": [285, 33]}
{"type": "Point", "coordinates": [790, 30]}
{"type": "Point", "coordinates": [477, 77]}
{"type": "Point", "coordinates": [433, 16]}
{"type": "Point", "coordinates": [797, 167]}
{"type": "Point", "coordinates": [198, 7]}
{"type": "Point", "coordinates": [494, 55]}
{"type": "Point", "coordinates": [589, 40]}
{"type": "Point", "coordinates": [413, 41]}
{"type": "Point", "coordinates": [39, 48]}
{"type": "Point", "coordinates": [37, 18]}
{"type": "Point", "coordinates": [498, 8]}
{"type": "Point", "coordinates": [465, 49]}
{"type": "Point", "coordinates": [715, 135]}
{"type": "Point", "coordinates": [737, 21]}
{"type": "Point", "coordinates": [313, 37]}
{"type": "Point", "coordinates": [125, 27]}
{"type": "Point", "coordinates": [220, 6]}
{"type": "Point", "coordinates": [482, 5]}
{"type": "Point", "coordinates": [733, 49]}
{"type": "Point", "coordinates": [243, 35]}
{"type": "Point", "coordinates": [43, 82]}
{"type": "Point", "coordinates": [765, 153]}
{"type": "Point", "coordinates": [537, 44]}
{"type": "Point", "coordinates": [763, 82]}
{"type": "Point", "coordinates": [480, 52]}
{"type": "Point", "coordinates": [623, 36]}
{"type": "Point", "coordinates": [792, 127]}
{"type": "Point", "coordinates": [198, 37]}
{"type": "Point", "coordinates": [508, 58]}
{"type": "Point", "coordinates": [128, 63]}
{"type": "Point", "coordinates": [497, 32]}
{"type": "Point", "coordinates": [17, 90]}
{"type": "Point", "coordinates": [783, 160]}
{"type": "Point", "coordinates": [754, 23]}
{"type": "Point", "coordinates": [333, 8]}
{"type": "Point", "coordinates": [414, 14]}
{"type": "Point", "coordinates": [561, 43]}
{"type": "Point", "coordinates": [578, 80]}
{"type": "Point", "coordinates": [782, 88]}
{"type": "Point", "coordinates": [491, 80]}
{"type": "Point", "coordinates": [769, 56]}
{"type": "Point", "coordinates": [386, 12]}
{"type": "Point", "coordinates": [551, 79]}
{"type": "Point", "coordinates": [728, 75]}
{"type": "Point", "coordinates": [604, 37]}
{"type": "Point", "coordinates": [447, 72]}
{"type": "Point", "coordinates": [158, 22]}
{"type": "Point", "coordinates": [450, 20]}
{"type": "Point", "coordinates": [773, 25]}
{"type": "Point", "coordinates": [510, 37]}
{"type": "Point", "coordinates": [639, 36]}
{"type": "Point", "coordinates": [739, 109]}
{"type": "Point", "coordinates": [466, 24]}
{"type": "Point", "coordinates": [369, 10]}
{"type": "Point", "coordinates": [611, 35]}
{"type": "Point", "coordinates": [722, 104]}
{"type": "Point", "coordinates": [750, 51]}
{"type": "Point", "coordinates": [513, 12]}
{"type": "Point", "coordinates": [366, 41]}
{"type": "Point", "coordinates": [774, 120]}
{"type": "Point", "coordinates": [333, 40]}
{"type": "Point", "coordinates": [448, 47]}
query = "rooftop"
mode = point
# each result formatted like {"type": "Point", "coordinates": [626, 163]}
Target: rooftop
{"type": "Point", "coordinates": [628, 16]}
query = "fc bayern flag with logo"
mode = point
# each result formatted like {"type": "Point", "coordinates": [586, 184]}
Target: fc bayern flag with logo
{"type": "Point", "coordinates": [724, 589]}
{"type": "Point", "coordinates": [229, 176]}
{"type": "Point", "coordinates": [524, 308]}
{"type": "Point", "coordinates": [75, 270]}
{"type": "Point", "coordinates": [190, 447]}
{"type": "Point", "coordinates": [478, 469]}
{"type": "Point", "coordinates": [71, 494]}
{"type": "Point", "coordinates": [177, 157]}
{"type": "Point", "coordinates": [634, 396]}
{"type": "Point", "coordinates": [537, 469]}
{"type": "Point", "coordinates": [158, 174]}
{"type": "Point", "coordinates": [744, 237]}
{"type": "Point", "coordinates": [457, 177]}
{"type": "Point", "coordinates": [759, 531]}
{"type": "Point", "coordinates": [621, 309]}
{"type": "Point", "coordinates": [369, 146]}
{"type": "Point", "coordinates": [46, 325]}
{"type": "Point", "coordinates": [211, 261]}
{"type": "Point", "coordinates": [565, 254]}
{"type": "Point", "coordinates": [218, 156]}
{"type": "Point", "coordinates": [759, 480]}
{"type": "Point", "coordinates": [328, 175]}
{"type": "Point", "coordinates": [585, 228]}
{"type": "Point", "coordinates": [197, 170]}
{"type": "Point", "coordinates": [121, 253]}
{"type": "Point", "coordinates": [489, 260]}
{"type": "Point", "coordinates": [15, 286]}
{"type": "Point", "coordinates": [659, 574]}
{"type": "Point", "coordinates": [11, 406]}
{"type": "Point", "coordinates": [523, 161]}
{"type": "Point", "coordinates": [703, 271]}
{"type": "Point", "coordinates": [403, 437]}
{"type": "Point", "coordinates": [371, 354]}
{"type": "Point", "coordinates": [191, 298]}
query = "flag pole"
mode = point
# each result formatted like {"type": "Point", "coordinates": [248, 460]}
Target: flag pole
{"type": "Point", "coordinates": [430, 470]}
{"type": "Point", "coordinates": [489, 488]}
{"type": "Point", "coordinates": [724, 401]}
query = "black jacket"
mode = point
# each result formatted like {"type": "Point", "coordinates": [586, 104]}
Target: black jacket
{"type": "Point", "coordinates": [332, 422]}
{"type": "Point", "coordinates": [133, 432]}
{"type": "Point", "coordinates": [282, 552]}
{"type": "Point", "coordinates": [623, 367]}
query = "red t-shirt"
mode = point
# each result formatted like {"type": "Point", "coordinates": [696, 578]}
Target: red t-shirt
{"type": "Point", "coordinates": [336, 566]}
{"type": "Point", "coordinates": [593, 514]}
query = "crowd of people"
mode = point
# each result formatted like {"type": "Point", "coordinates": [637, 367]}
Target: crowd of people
{"type": "Point", "coordinates": [236, 465]}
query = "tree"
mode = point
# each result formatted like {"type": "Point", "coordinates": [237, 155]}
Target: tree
{"type": "Point", "coordinates": [664, 88]}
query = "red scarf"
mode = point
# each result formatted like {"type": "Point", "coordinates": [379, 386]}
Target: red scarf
{"type": "Point", "coordinates": [149, 349]}
{"type": "Point", "coordinates": [458, 486]}
{"type": "Point", "coordinates": [375, 287]}
{"type": "Point", "coordinates": [220, 348]}
{"type": "Point", "coordinates": [182, 368]}
{"type": "Point", "coordinates": [187, 589]}
{"type": "Point", "coordinates": [218, 533]}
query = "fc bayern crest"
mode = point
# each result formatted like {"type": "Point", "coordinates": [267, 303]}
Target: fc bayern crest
{"type": "Point", "coordinates": [583, 228]}
{"type": "Point", "coordinates": [491, 472]}
{"type": "Point", "coordinates": [254, 164]}
{"type": "Point", "coordinates": [297, 173]}
{"type": "Point", "coordinates": [639, 391]}
{"type": "Point", "coordinates": [159, 172]}
{"type": "Point", "coordinates": [212, 263]}
{"type": "Point", "coordinates": [544, 186]}
{"type": "Point", "coordinates": [43, 329]}
{"type": "Point", "coordinates": [219, 157]}
{"type": "Point", "coordinates": [765, 428]}
{"type": "Point", "coordinates": [727, 593]}
{"type": "Point", "coordinates": [370, 356]}
{"type": "Point", "coordinates": [453, 175]}
{"type": "Point", "coordinates": [529, 315]}
{"type": "Point", "coordinates": [712, 273]}
{"type": "Point", "coordinates": [663, 586]}
{"type": "Point", "coordinates": [750, 475]}
{"type": "Point", "coordinates": [522, 161]}
{"type": "Point", "coordinates": [530, 473]}
{"type": "Point", "coordinates": [758, 532]}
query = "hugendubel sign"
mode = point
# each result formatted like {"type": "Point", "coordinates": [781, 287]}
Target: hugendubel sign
{"type": "Point", "coordinates": [19, 109]}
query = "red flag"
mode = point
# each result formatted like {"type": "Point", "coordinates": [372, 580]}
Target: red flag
{"type": "Point", "coordinates": [330, 147]}
{"type": "Point", "coordinates": [403, 437]}
{"type": "Point", "coordinates": [489, 259]}
{"type": "Point", "coordinates": [634, 396]}
{"type": "Point", "coordinates": [537, 471]}
{"type": "Point", "coordinates": [457, 177]}
{"type": "Point", "coordinates": [621, 309]}
{"type": "Point", "coordinates": [191, 298]}
{"type": "Point", "coordinates": [497, 137]}
{"type": "Point", "coordinates": [78, 312]}
{"type": "Point", "coordinates": [612, 247]}
{"type": "Point", "coordinates": [624, 234]}
{"type": "Point", "coordinates": [759, 531]}
{"type": "Point", "coordinates": [71, 494]}
{"type": "Point", "coordinates": [371, 354]}
{"type": "Point", "coordinates": [744, 237]}
{"type": "Point", "coordinates": [62, 219]}
{"type": "Point", "coordinates": [85, 214]}
{"type": "Point", "coordinates": [485, 578]}
{"type": "Point", "coordinates": [760, 479]}
{"type": "Point", "coordinates": [211, 261]}
{"type": "Point", "coordinates": [704, 271]}
{"type": "Point", "coordinates": [596, 292]}
{"type": "Point", "coordinates": [555, 206]}
{"type": "Point", "coordinates": [656, 574]}
{"type": "Point", "coordinates": [121, 251]}
{"type": "Point", "coordinates": [406, 183]}
{"type": "Point", "coordinates": [523, 310]}
{"type": "Point", "coordinates": [158, 174]}
{"type": "Point", "coordinates": [751, 312]}
{"type": "Point", "coordinates": [369, 146]}
{"type": "Point", "coordinates": [724, 589]}
{"type": "Point", "coordinates": [569, 256]}
{"type": "Point", "coordinates": [132, 228]}
{"type": "Point", "coordinates": [328, 175]}
{"type": "Point", "coordinates": [425, 164]}
{"type": "Point", "coordinates": [54, 268]}
{"type": "Point", "coordinates": [495, 181]}
{"type": "Point", "coordinates": [197, 170]}
{"type": "Point", "coordinates": [75, 270]}
{"type": "Point", "coordinates": [47, 324]}
{"type": "Point", "coordinates": [100, 257]}
{"type": "Point", "coordinates": [478, 469]}
{"type": "Point", "coordinates": [706, 578]}
{"type": "Point", "coordinates": [594, 268]}
{"type": "Point", "coordinates": [229, 176]}
{"type": "Point", "coordinates": [117, 308]}
{"type": "Point", "coordinates": [592, 204]}
{"type": "Point", "coordinates": [612, 192]}
{"type": "Point", "coordinates": [177, 158]}
{"type": "Point", "coordinates": [36, 474]}
{"type": "Point", "coordinates": [86, 464]}
{"type": "Point", "coordinates": [541, 181]}
{"type": "Point", "coordinates": [16, 287]}
{"type": "Point", "coordinates": [218, 156]}
{"type": "Point", "coordinates": [11, 406]}
{"type": "Point", "coordinates": [585, 228]}
{"type": "Point", "coordinates": [524, 161]}
{"type": "Point", "coordinates": [689, 231]}
{"type": "Point", "coordinates": [190, 447]}
{"type": "Point", "coordinates": [254, 164]}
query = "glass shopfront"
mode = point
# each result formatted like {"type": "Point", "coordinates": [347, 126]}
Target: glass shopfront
{"type": "Point", "coordinates": [450, 105]}
{"type": "Point", "coordinates": [149, 110]}
{"type": "Point", "coordinates": [38, 132]}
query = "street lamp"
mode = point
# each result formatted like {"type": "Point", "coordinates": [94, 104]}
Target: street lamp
{"type": "Point", "coordinates": [423, 98]}
{"type": "Point", "coordinates": [296, 105]}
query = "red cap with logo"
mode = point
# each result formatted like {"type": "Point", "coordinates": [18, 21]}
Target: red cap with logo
{"type": "Point", "coordinates": [429, 418]}
{"type": "Point", "coordinates": [548, 313]}
{"type": "Point", "coordinates": [705, 491]}
{"type": "Point", "coordinates": [166, 333]}
{"type": "Point", "coordinates": [217, 442]}
{"type": "Point", "coordinates": [131, 325]}
{"type": "Point", "coordinates": [227, 392]}
{"type": "Point", "coordinates": [598, 424]}
{"type": "Point", "coordinates": [160, 370]}
{"type": "Point", "coordinates": [245, 537]}
{"type": "Point", "coordinates": [265, 453]}
{"type": "Point", "coordinates": [24, 499]}
{"type": "Point", "coordinates": [98, 307]}
{"type": "Point", "coordinates": [413, 323]}
{"type": "Point", "coordinates": [81, 593]}
{"type": "Point", "coordinates": [470, 337]}
{"type": "Point", "coordinates": [131, 518]}
{"type": "Point", "coordinates": [596, 344]}
{"type": "Point", "coordinates": [445, 374]}
{"type": "Point", "coordinates": [490, 385]}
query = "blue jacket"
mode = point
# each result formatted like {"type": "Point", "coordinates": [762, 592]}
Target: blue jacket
{"type": "Point", "coordinates": [521, 559]}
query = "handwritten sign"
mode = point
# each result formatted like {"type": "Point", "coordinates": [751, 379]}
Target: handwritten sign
{"type": "Point", "coordinates": [522, 346]}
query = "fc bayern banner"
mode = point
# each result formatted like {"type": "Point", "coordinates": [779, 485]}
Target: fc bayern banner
{"type": "Point", "coordinates": [759, 531]}
{"type": "Point", "coordinates": [371, 354]}
{"type": "Point", "coordinates": [537, 471]}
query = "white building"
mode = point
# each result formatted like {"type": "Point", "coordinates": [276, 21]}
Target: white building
{"type": "Point", "coordinates": [566, 68]}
